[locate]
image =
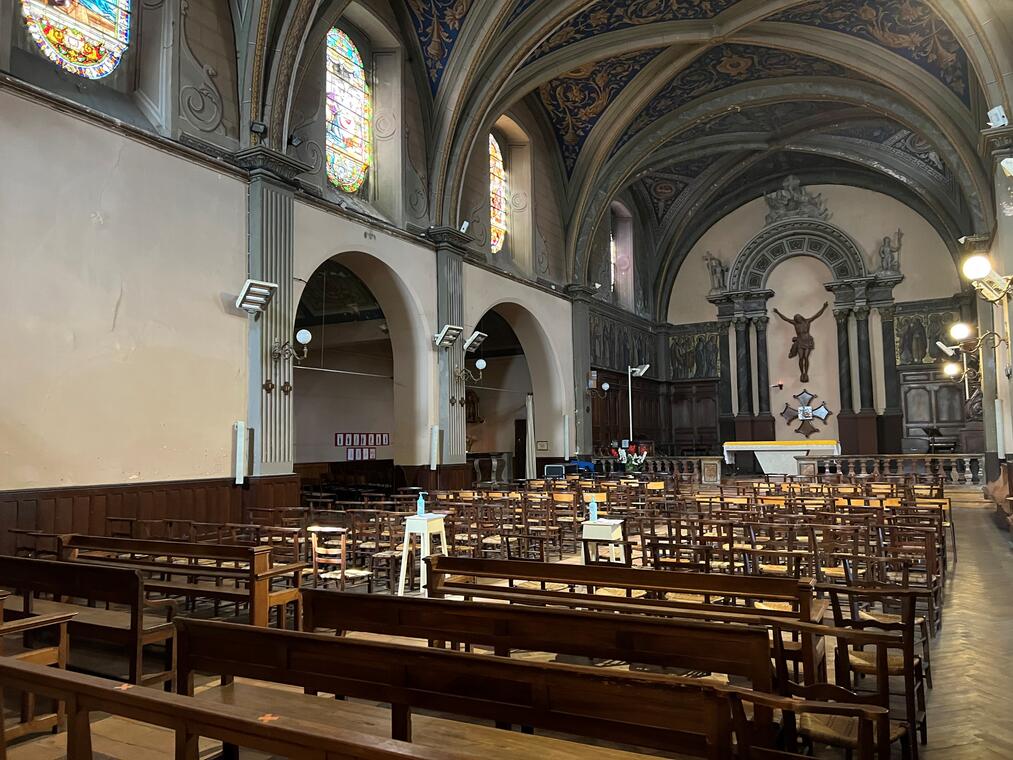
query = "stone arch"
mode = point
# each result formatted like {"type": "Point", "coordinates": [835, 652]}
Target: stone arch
{"type": "Point", "coordinates": [410, 339]}
{"type": "Point", "coordinates": [547, 375]}
{"type": "Point", "coordinates": [790, 238]}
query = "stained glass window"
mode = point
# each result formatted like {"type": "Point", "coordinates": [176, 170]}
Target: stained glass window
{"type": "Point", "coordinates": [498, 194]}
{"type": "Point", "coordinates": [349, 113]}
{"type": "Point", "coordinates": [612, 259]}
{"type": "Point", "coordinates": [85, 37]}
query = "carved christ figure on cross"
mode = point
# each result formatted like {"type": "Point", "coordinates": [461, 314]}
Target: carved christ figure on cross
{"type": "Point", "coordinates": [802, 344]}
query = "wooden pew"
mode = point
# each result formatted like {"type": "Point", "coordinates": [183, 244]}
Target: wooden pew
{"type": "Point", "coordinates": [221, 573]}
{"type": "Point", "coordinates": [191, 719]}
{"type": "Point", "coordinates": [661, 712]}
{"type": "Point", "coordinates": [132, 628]}
{"type": "Point", "coordinates": [698, 596]}
{"type": "Point", "coordinates": [734, 650]}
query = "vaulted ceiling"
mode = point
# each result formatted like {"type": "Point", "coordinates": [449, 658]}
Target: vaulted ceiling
{"type": "Point", "coordinates": [695, 106]}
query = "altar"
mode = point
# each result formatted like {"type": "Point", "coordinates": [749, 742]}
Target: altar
{"type": "Point", "coordinates": [778, 457]}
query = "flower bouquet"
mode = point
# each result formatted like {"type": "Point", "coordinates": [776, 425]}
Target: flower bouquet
{"type": "Point", "coordinates": [632, 457]}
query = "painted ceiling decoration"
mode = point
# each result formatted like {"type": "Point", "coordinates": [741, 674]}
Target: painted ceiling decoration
{"type": "Point", "coordinates": [890, 134]}
{"type": "Point", "coordinates": [664, 186]}
{"type": "Point", "coordinates": [576, 100]}
{"type": "Point", "coordinates": [612, 15]}
{"type": "Point", "coordinates": [771, 117]}
{"type": "Point", "coordinates": [724, 66]}
{"type": "Point", "coordinates": [909, 28]}
{"type": "Point", "coordinates": [437, 24]}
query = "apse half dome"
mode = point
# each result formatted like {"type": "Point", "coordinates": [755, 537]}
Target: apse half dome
{"type": "Point", "coordinates": [85, 37]}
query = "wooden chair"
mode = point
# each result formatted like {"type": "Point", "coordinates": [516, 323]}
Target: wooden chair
{"type": "Point", "coordinates": [329, 558]}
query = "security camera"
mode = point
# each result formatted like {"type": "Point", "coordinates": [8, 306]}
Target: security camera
{"type": "Point", "coordinates": [997, 117]}
{"type": "Point", "coordinates": [950, 351]}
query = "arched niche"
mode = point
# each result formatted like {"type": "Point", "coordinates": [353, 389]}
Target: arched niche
{"type": "Point", "coordinates": [410, 340]}
{"type": "Point", "coordinates": [795, 237]}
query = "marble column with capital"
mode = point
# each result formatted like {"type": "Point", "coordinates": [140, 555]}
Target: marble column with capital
{"type": "Point", "coordinates": [864, 359]}
{"type": "Point", "coordinates": [744, 366]}
{"type": "Point", "coordinates": [842, 316]}
{"type": "Point", "coordinates": [891, 378]}
{"type": "Point", "coordinates": [762, 371]}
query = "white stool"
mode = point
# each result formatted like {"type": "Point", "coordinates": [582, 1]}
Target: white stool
{"type": "Point", "coordinates": [605, 531]}
{"type": "Point", "coordinates": [425, 526]}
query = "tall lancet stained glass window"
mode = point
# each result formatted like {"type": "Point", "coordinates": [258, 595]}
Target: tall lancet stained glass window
{"type": "Point", "coordinates": [85, 37]}
{"type": "Point", "coordinates": [498, 195]}
{"type": "Point", "coordinates": [349, 113]}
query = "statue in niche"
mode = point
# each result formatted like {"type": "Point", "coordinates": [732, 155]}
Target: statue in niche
{"type": "Point", "coordinates": [889, 253]}
{"type": "Point", "coordinates": [718, 272]}
{"type": "Point", "coordinates": [792, 201]}
{"type": "Point", "coordinates": [802, 344]}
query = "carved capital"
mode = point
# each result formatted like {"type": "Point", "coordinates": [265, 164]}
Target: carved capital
{"type": "Point", "coordinates": [741, 323]}
{"type": "Point", "coordinates": [761, 323]}
{"type": "Point", "coordinates": [261, 160]}
{"type": "Point", "coordinates": [861, 313]}
{"type": "Point", "coordinates": [997, 141]}
{"type": "Point", "coordinates": [448, 237]}
{"type": "Point", "coordinates": [841, 315]}
{"type": "Point", "coordinates": [887, 313]}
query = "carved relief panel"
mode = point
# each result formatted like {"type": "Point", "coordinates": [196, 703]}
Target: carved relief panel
{"type": "Point", "coordinates": [618, 345]}
{"type": "Point", "coordinates": [694, 351]}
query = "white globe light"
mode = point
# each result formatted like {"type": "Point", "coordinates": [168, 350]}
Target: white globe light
{"type": "Point", "coordinates": [951, 369]}
{"type": "Point", "coordinates": [976, 267]}
{"type": "Point", "coordinates": [304, 337]}
{"type": "Point", "coordinates": [960, 331]}
{"type": "Point", "coordinates": [605, 387]}
{"type": "Point", "coordinates": [480, 364]}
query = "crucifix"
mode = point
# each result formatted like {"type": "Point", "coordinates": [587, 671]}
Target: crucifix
{"type": "Point", "coordinates": [803, 343]}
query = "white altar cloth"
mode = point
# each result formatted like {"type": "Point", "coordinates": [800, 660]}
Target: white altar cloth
{"type": "Point", "coordinates": [778, 457]}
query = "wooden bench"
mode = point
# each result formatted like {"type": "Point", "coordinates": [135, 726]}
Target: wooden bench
{"type": "Point", "coordinates": [190, 719]}
{"type": "Point", "coordinates": [660, 712]}
{"type": "Point", "coordinates": [729, 649]}
{"type": "Point", "coordinates": [695, 596]}
{"type": "Point", "coordinates": [220, 573]}
{"type": "Point", "coordinates": [135, 624]}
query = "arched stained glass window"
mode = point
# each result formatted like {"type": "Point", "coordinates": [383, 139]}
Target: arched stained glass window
{"type": "Point", "coordinates": [349, 113]}
{"type": "Point", "coordinates": [85, 37]}
{"type": "Point", "coordinates": [498, 194]}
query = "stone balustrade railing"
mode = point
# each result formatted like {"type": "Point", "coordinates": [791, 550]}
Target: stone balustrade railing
{"type": "Point", "coordinates": [704, 470]}
{"type": "Point", "coordinates": [967, 469]}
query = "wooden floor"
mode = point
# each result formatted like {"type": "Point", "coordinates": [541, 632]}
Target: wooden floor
{"type": "Point", "coordinates": [970, 710]}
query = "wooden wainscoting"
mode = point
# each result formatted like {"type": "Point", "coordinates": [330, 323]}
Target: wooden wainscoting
{"type": "Point", "coordinates": [83, 509]}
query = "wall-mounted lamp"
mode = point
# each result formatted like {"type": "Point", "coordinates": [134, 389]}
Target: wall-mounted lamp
{"type": "Point", "coordinates": [966, 344]}
{"type": "Point", "coordinates": [598, 392]}
{"type": "Point", "coordinates": [474, 340]}
{"type": "Point", "coordinates": [991, 285]}
{"type": "Point", "coordinates": [286, 351]}
{"type": "Point", "coordinates": [448, 336]}
{"type": "Point", "coordinates": [465, 374]}
{"type": "Point", "coordinates": [255, 296]}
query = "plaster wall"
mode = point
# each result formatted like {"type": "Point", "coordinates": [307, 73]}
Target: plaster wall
{"type": "Point", "coordinates": [1002, 256]}
{"type": "Point", "coordinates": [542, 322]}
{"type": "Point", "coordinates": [502, 393]}
{"type": "Point", "coordinates": [117, 265]}
{"type": "Point", "coordinates": [326, 403]}
{"type": "Point", "coordinates": [402, 276]}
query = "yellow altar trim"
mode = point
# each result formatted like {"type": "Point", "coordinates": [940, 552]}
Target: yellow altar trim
{"type": "Point", "coordinates": [801, 444]}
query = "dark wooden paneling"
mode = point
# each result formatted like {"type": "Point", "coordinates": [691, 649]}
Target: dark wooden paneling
{"type": "Point", "coordinates": [84, 509]}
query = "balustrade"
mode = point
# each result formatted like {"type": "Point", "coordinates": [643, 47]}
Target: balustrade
{"type": "Point", "coordinates": [703, 469]}
{"type": "Point", "coordinates": [966, 469]}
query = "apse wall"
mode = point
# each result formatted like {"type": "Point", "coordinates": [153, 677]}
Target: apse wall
{"type": "Point", "coordinates": [115, 279]}
{"type": "Point", "coordinates": [867, 216]}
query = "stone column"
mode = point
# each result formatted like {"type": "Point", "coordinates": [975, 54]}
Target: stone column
{"type": "Point", "coordinates": [762, 375]}
{"type": "Point", "coordinates": [891, 379]}
{"type": "Point", "coordinates": [844, 360]}
{"type": "Point", "coordinates": [270, 220]}
{"type": "Point", "coordinates": [864, 359]}
{"type": "Point", "coordinates": [726, 425]}
{"type": "Point", "coordinates": [744, 368]}
{"type": "Point", "coordinates": [580, 317]}
{"type": "Point", "coordinates": [450, 252]}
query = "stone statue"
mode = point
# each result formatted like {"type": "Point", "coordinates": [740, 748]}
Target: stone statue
{"type": "Point", "coordinates": [889, 253]}
{"type": "Point", "coordinates": [718, 272]}
{"type": "Point", "coordinates": [802, 344]}
{"type": "Point", "coordinates": [792, 201]}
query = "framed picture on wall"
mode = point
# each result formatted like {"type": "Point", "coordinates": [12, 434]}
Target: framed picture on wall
{"type": "Point", "coordinates": [357, 439]}
{"type": "Point", "coordinates": [371, 439]}
{"type": "Point", "coordinates": [339, 439]}
{"type": "Point", "coordinates": [349, 455]}
{"type": "Point", "coordinates": [372, 453]}
{"type": "Point", "coordinates": [386, 439]}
